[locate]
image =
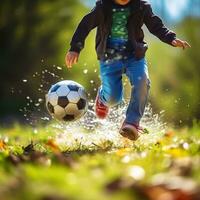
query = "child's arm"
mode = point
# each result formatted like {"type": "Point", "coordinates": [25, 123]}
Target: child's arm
{"type": "Point", "coordinates": [180, 43]}
{"type": "Point", "coordinates": [89, 22]}
{"type": "Point", "coordinates": [156, 27]}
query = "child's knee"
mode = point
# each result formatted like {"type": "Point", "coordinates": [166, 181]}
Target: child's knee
{"type": "Point", "coordinates": [144, 83]}
{"type": "Point", "coordinates": [113, 100]}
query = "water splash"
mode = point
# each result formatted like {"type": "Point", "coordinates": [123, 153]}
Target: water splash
{"type": "Point", "coordinates": [91, 131]}
{"type": "Point", "coordinates": [33, 109]}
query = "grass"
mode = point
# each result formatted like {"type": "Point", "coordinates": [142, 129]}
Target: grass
{"type": "Point", "coordinates": [34, 165]}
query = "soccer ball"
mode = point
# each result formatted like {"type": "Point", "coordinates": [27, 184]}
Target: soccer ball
{"type": "Point", "coordinates": [67, 100]}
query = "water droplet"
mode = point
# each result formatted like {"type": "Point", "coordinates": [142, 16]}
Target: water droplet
{"type": "Point", "coordinates": [59, 68]}
{"type": "Point", "coordinates": [186, 146]}
{"type": "Point", "coordinates": [85, 71]}
{"type": "Point", "coordinates": [35, 131]}
{"type": "Point", "coordinates": [40, 100]}
{"type": "Point", "coordinates": [6, 139]}
{"type": "Point", "coordinates": [144, 154]}
{"type": "Point", "coordinates": [45, 118]}
{"type": "Point", "coordinates": [136, 172]}
{"type": "Point", "coordinates": [126, 159]}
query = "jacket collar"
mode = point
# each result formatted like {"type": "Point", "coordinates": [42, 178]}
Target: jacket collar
{"type": "Point", "coordinates": [135, 5]}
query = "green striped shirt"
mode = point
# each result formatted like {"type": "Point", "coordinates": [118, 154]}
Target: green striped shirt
{"type": "Point", "coordinates": [119, 23]}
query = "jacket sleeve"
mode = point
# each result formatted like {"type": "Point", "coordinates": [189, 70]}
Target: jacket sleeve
{"type": "Point", "coordinates": [89, 22]}
{"type": "Point", "coordinates": [156, 26]}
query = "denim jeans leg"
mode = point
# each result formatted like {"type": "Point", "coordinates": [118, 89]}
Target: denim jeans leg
{"type": "Point", "coordinates": [137, 72]}
{"type": "Point", "coordinates": [111, 90]}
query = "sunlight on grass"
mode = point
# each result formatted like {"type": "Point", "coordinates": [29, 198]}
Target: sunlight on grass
{"type": "Point", "coordinates": [91, 161]}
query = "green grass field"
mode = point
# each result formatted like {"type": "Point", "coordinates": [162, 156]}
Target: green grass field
{"type": "Point", "coordinates": [34, 164]}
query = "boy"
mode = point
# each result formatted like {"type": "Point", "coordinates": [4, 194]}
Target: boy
{"type": "Point", "coordinates": [121, 49]}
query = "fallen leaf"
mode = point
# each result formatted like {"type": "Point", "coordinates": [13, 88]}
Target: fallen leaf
{"type": "Point", "coordinates": [114, 185]}
{"type": "Point", "coordinates": [29, 148]}
{"type": "Point", "coordinates": [14, 159]}
{"type": "Point", "coordinates": [182, 166]}
{"type": "Point", "coordinates": [162, 193]}
{"type": "Point", "coordinates": [53, 145]}
{"type": "Point", "coordinates": [65, 159]}
{"type": "Point", "coordinates": [169, 134]}
{"type": "Point", "coordinates": [2, 145]}
{"type": "Point", "coordinates": [171, 182]}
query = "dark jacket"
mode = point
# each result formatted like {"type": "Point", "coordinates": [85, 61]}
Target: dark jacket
{"type": "Point", "coordinates": [101, 17]}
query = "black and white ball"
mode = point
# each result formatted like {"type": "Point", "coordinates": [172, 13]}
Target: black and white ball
{"type": "Point", "coordinates": [67, 100]}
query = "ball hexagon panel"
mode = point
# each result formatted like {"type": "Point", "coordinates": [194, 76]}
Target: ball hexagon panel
{"type": "Point", "coordinates": [63, 101]}
{"type": "Point", "coordinates": [73, 87]}
{"type": "Point", "coordinates": [68, 118]}
{"type": "Point", "coordinates": [54, 88]}
{"type": "Point", "coordinates": [81, 104]}
{"type": "Point", "coordinates": [73, 97]}
{"type": "Point", "coordinates": [50, 108]}
{"type": "Point", "coordinates": [72, 108]}
{"type": "Point", "coordinates": [53, 98]}
{"type": "Point", "coordinates": [63, 90]}
{"type": "Point", "coordinates": [59, 112]}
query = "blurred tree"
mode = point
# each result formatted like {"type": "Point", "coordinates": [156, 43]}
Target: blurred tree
{"type": "Point", "coordinates": [31, 32]}
{"type": "Point", "coordinates": [188, 72]}
{"type": "Point", "coordinates": [175, 75]}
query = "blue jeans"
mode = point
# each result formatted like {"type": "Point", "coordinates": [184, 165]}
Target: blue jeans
{"type": "Point", "coordinates": [111, 90]}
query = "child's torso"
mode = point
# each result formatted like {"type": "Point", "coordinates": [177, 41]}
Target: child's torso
{"type": "Point", "coordinates": [118, 44]}
{"type": "Point", "coordinates": [119, 22]}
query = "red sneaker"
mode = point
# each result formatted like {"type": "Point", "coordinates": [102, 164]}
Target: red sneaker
{"type": "Point", "coordinates": [130, 131]}
{"type": "Point", "coordinates": [101, 109]}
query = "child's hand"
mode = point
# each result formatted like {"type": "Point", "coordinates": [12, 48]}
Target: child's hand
{"type": "Point", "coordinates": [180, 43]}
{"type": "Point", "coordinates": [71, 58]}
